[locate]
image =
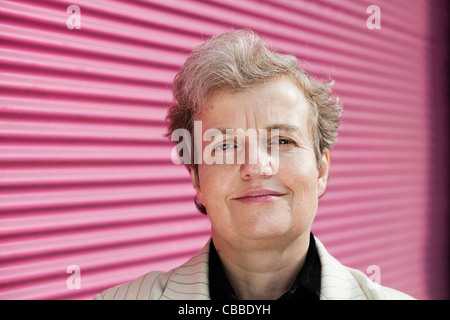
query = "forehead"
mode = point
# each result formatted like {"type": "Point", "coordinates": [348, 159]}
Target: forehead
{"type": "Point", "coordinates": [278, 101]}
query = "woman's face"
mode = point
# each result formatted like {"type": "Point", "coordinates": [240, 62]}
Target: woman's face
{"type": "Point", "coordinates": [258, 200]}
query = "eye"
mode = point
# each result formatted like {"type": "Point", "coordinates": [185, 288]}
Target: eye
{"type": "Point", "coordinates": [224, 146]}
{"type": "Point", "coordinates": [282, 141]}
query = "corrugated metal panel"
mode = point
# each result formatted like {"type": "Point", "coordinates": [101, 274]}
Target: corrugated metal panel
{"type": "Point", "coordinates": [86, 177]}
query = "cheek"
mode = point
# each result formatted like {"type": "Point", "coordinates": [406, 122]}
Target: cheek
{"type": "Point", "coordinates": [302, 181]}
{"type": "Point", "coordinates": [298, 169]}
{"type": "Point", "coordinates": [215, 187]}
{"type": "Point", "coordinates": [215, 184]}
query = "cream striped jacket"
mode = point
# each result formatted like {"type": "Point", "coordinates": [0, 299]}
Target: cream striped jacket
{"type": "Point", "coordinates": [190, 282]}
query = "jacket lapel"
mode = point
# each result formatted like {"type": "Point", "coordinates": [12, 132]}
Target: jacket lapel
{"type": "Point", "coordinates": [190, 281]}
{"type": "Point", "coordinates": [337, 283]}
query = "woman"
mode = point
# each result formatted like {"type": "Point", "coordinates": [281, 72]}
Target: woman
{"type": "Point", "coordinates": [261, 188]}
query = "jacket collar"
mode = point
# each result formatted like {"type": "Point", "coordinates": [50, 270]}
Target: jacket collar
{"type": "Point", "coordinates": [336, 280]}
{"type": "Point", "coordinates": [190, 280]}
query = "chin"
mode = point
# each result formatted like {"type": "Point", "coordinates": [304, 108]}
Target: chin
{"type": "Point", "coordinates": [264, 231]}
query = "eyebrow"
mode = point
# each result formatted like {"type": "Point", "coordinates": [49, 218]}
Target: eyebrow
{"type": "Point", "coordinates": [284, 127]}
{"type": "Point", "coordinates": [280, 127]}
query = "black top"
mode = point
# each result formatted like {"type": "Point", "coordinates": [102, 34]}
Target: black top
{"type": "Point", "coordinates": [306, 286]}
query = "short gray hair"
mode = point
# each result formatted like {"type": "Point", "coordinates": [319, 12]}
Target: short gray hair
{"type": "Point", "coordinates": [240, 59]}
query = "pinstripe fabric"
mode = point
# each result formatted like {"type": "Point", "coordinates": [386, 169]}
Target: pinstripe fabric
{"type": "Point", "coordinates": [190, 282]}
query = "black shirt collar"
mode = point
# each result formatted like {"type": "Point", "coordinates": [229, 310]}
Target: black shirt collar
{"type": "Point", "coordinates": [306, 286]}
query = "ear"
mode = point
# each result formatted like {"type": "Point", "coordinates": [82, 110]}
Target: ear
{"type": "Point", "coordinates": [195, 182]}
{"type": "Point", "coordinates": [322, 178]}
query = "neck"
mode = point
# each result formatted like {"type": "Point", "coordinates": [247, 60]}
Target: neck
{"type": "Point", "coordinates": [262, 272]}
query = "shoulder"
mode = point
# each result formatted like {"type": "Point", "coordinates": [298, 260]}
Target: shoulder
{"type": "Point", "coordinates": [147, 287]}
{"type": "Point", "coordinates": [188, 281]}
{"type": "Point", "coordinates": [341, 282]}
{"type": "Point", "coordinates": [375, 291]}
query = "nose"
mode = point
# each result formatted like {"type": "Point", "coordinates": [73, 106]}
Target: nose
{"type": "Point", "coordinates": [258, 164]}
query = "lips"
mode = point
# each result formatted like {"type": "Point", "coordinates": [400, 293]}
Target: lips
{"type": "Point", "coordinates": [259, 196]}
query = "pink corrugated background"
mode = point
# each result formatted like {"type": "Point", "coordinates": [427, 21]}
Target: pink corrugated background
{"type": "Point", "coordinates": [86, 177]}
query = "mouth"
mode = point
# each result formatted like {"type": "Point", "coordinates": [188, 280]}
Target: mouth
{"type": "Point", "coordinates": [259, 196]}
